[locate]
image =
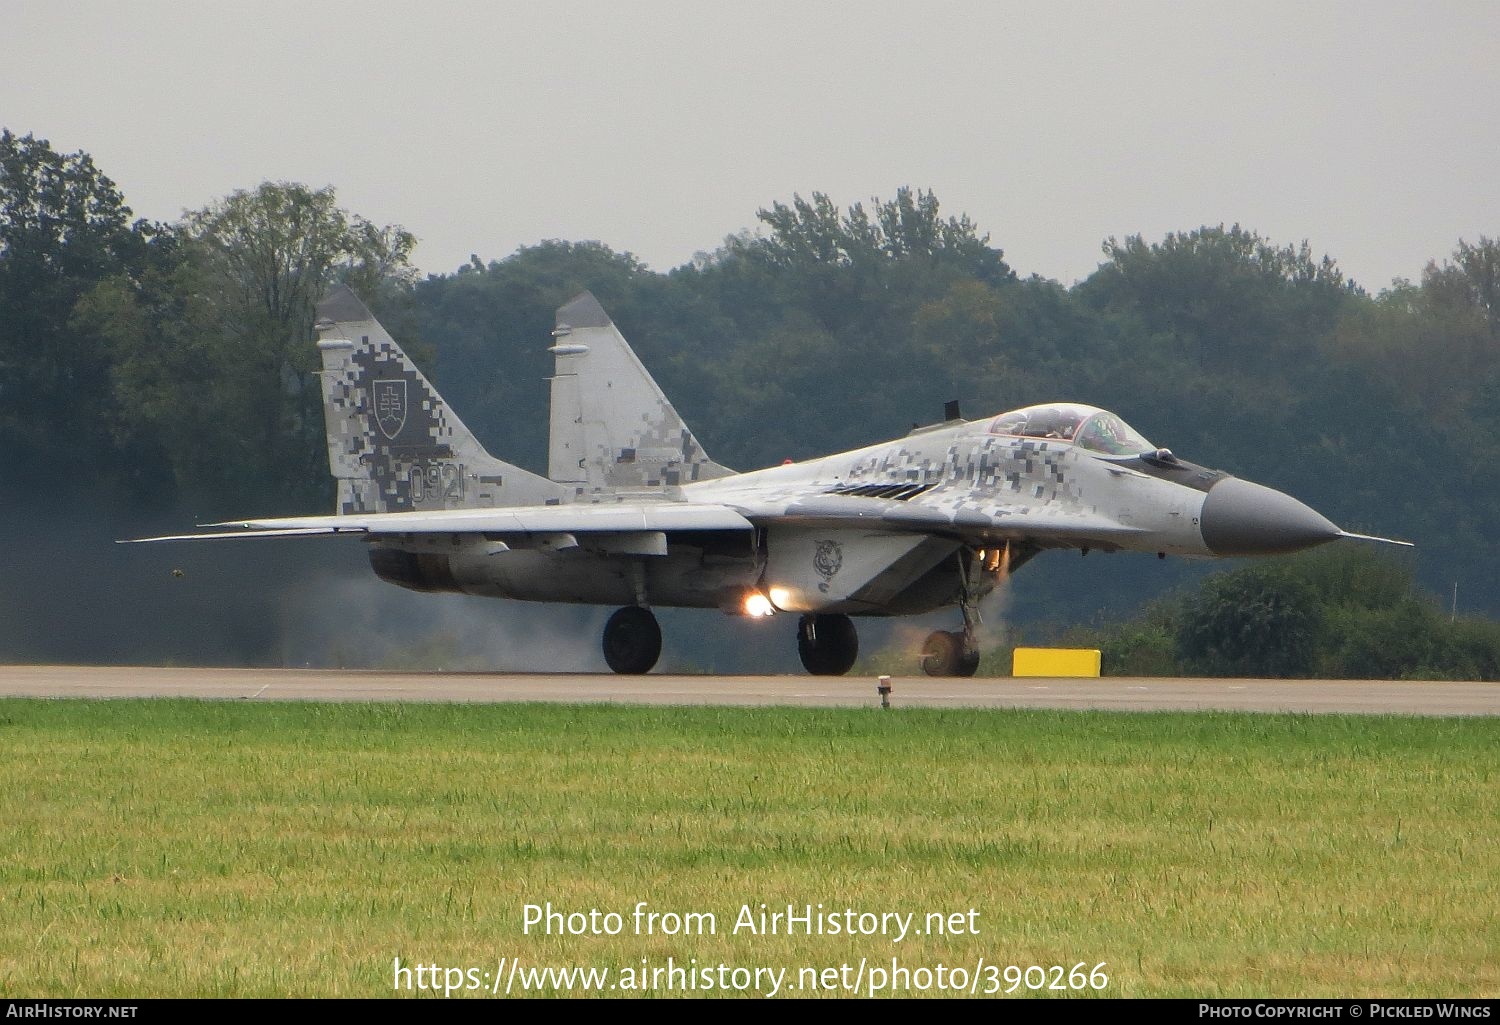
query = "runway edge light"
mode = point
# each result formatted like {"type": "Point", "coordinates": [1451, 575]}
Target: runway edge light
{"type": "Point", "coordinates": [1055, 662]}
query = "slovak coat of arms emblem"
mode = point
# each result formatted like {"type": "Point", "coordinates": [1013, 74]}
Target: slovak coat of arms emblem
{"type": "Point", "coordinates": [390, 407]}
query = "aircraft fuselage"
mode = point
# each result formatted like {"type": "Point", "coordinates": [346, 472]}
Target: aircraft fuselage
{"type": "Point", "coordinates": [863, 532]}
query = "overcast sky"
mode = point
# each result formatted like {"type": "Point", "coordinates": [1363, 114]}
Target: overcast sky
{"type": "Point", "coordinates": [1369, 129]}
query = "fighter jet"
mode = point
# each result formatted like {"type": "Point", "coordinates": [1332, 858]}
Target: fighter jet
{"type": "Point", "coordinates": [633, 512]}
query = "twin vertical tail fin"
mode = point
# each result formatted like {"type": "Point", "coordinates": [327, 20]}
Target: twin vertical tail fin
{"type": "Point", "coordinates": [612, 427]}
{"type": "Point", "coordinates": [393, 443]}
{"type": "Point", "coordinates": [395, 446]}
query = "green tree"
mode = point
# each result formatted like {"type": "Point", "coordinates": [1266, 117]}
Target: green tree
{"type": "Point", "coordinates": [815, 232]}
{"type": "Point", "coordinates": [1470, 280]}
{"type": "Point", "coordinates": [1225, 299]}
{"type": "Point", "coordinates": [174, 404]}
{"type": "Point", "coordinates": [1389, 642]}
{"type": "Point", "coordinates": [1343, 612]}
{"type": "Point", "coordinates": [491, 324]}
{"type": "Point", "coordinates": [64, 227]}
{"type": "Point", "coordinates": [861, 270]}
{"type": "Point", "coordinates": [264, 259]}
{"type": "Point", "coordinates": [213, 355]}
{"type": "Point", "coordinates": [1262, 621]}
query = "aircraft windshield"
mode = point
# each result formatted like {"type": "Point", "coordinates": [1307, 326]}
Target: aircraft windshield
{"type": "Point", "coordinates": [1090, 427]}
{"type": "Point", "coordinates": [1042, 422]}
{"type": "Point", "coordinates": [1107, 433]}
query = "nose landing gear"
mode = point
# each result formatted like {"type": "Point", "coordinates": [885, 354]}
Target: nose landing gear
{"type": "Point", "coordinates": [949, 653]}
{"type": "Point", "coordinates": [955, 652]}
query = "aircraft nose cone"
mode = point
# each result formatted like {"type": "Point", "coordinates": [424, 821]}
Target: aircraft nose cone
{"type": "Point", "coordinates": [1241, 518]}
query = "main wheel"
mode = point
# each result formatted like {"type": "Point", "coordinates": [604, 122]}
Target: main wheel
{"type": "Point", "coordinates": [632, 640]}
{"type": "Point", "coordinates": [828, 644]}
{"type": "Point", "coordinates": [945, 654]}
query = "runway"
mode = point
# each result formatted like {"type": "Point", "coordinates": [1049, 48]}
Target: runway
{"type": "Point", "coordinates": [1380, 697]}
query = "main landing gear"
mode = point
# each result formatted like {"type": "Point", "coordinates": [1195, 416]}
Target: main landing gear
{"type": "Point", "coordinates": [828, 643]}
{"type": "Point", "coordinates": [632, 640]}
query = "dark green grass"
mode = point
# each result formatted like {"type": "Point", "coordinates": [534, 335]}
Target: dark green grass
{"type": "Point", "coordinates": [164, 848]}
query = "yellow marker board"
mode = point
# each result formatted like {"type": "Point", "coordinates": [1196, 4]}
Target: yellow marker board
{"type": "Point", "coordinates": [1055, 662]}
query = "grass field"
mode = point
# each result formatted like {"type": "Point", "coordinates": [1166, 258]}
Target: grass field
{"type": "Point", "coordinates": [176, 848]}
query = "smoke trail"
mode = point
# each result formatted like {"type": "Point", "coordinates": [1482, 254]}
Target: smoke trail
{"type": "Point", "coordinates": [361, 622]}
{"type": "Point", "coordinates": [994, 633]}
{"type": "Point", "coordinates": [354, 620]}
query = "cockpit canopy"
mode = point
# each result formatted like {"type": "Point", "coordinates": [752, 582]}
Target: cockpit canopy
{"type": "Point", "coordinates": [1086, 426]}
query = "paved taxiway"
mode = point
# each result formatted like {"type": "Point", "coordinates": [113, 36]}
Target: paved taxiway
{"type": "Point", "coordinates": [1115, 693]}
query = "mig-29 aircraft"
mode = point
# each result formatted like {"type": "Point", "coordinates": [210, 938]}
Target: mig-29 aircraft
{"type": "Point", "coordinates": [634, 513]}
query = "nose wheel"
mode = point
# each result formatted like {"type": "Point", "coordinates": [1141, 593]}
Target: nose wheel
{"type": "Point", "coordinates": [632, 640]}
{"type": "Point", "coordinates": [828, 644]}
{"type": "Point", "coordinates": [956, 652]}
{"type": "Point", "coordinates": [948, 653]}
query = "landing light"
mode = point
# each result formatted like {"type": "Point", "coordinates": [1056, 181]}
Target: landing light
{"type": "Point", "coordinates": [780, 596]}
{"type": "Point", "coordinates": [757, 604]}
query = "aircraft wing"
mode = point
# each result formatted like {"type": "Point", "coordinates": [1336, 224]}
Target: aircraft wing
{"type": "Point", "coordinates": [971, 521]}
{"type": "Point", "coordinates": [617, 518]}
{"type": "Point", "coordinates": [975, 521]}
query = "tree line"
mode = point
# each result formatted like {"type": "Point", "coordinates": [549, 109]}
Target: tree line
{"type": "Point", "coordinates": [167, 365]}
{"type": "Point", "coordinates": [1341, 613]}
